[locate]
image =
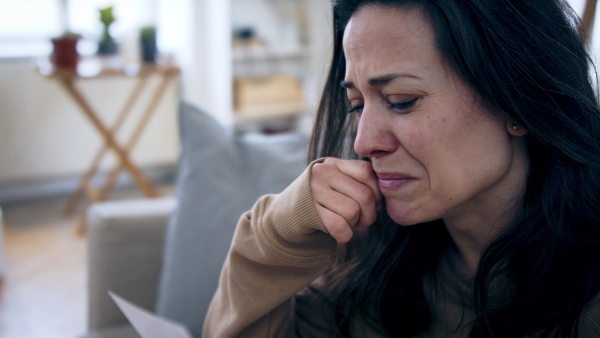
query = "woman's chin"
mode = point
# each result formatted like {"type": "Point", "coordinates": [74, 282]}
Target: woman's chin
{"type": "Point", "coordinates": [402, 215]}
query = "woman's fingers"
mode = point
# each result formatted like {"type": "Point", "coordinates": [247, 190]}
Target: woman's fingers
{"type": "Point", "coordinates": [336, 225]}
{"type": "Point", "coordinates": [362, 172]}
{"type": "Point", "coordinates": [358, 182]}
{"type": "Point", "coordinates": [346, 196]}
{"type": "Point", "coordinates": [329, 202]}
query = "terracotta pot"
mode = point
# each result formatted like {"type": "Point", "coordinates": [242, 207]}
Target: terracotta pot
{"type": "Point", "coordinates": [64, 53]}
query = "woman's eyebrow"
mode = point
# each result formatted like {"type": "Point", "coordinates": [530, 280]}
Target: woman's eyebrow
{"type": "Point", "coordinates": [381, 80]}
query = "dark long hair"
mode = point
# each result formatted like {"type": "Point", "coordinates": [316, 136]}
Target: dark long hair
{"type": "Point", "coordinates": [527, 62]}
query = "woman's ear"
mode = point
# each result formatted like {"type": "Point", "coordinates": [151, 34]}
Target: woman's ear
{"type": "Point", "coordinates": [515, 130]}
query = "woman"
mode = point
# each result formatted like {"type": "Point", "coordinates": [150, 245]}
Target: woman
{"type": "Point", "coordinates": [474, 212]}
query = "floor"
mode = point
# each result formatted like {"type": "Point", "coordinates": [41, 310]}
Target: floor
{"type": "Point", "coordinates": [42, 292]}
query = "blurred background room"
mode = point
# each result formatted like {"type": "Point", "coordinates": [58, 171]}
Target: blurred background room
{"type": "Point", "coordinates": [256, 66]}
{"type": "Point", "coordinates": [104, 126]}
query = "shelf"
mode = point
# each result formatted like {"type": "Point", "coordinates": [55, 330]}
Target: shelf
{"type": "Point", "coordinates": [270, 110]}
{"type": "Point", "coordinates": [272, 55]}
{"type": "Point", "coordinates": [98, 67]}
{"type": "Point", "coordinates": [252, 55]}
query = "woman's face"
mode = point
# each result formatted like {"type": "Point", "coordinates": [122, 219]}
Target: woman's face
{"type": "Point", "coordinates": [436, 151]}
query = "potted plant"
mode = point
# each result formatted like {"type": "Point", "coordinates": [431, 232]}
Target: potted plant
{"type": "Point", "coordinates": [64, 48]}
{"type": "Point", "coordinates": [64, 51]}
{"type": "Point", "coordinates": [148, 43]}
{"type": "Point", "coordinates": [107, 45]}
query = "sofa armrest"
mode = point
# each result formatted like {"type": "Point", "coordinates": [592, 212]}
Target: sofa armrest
{"type": "Point", "coordinates": [125, 244]}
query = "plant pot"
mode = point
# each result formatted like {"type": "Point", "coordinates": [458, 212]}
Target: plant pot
{"type": "Point", "coordinates": [148, 43]}
{"type": "Point", "coordinates": [108, 47]}
{"type": "Point", "coordinates": [148, 47]}
{"type": "Point", "coordinates": [64, 53]}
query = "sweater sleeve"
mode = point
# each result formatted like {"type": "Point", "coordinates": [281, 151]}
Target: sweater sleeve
{"type": "Point", "coordinates": [279, 247]}
{"type": "Point", "coordinates": [589, 323]}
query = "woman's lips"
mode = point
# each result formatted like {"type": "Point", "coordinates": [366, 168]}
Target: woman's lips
{"type": "Point", "coordinates": [390, 182]}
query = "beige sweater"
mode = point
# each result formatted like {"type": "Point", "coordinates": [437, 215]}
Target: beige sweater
{"type": "Point", "coordinates": [279, 248]}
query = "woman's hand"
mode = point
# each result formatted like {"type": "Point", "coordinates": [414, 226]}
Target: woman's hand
{"type": "Point", "coordinates": [346, 196]}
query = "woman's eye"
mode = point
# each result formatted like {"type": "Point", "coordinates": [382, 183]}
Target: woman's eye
{"type": "Point", "coordinates": [394, 106]}
{"type": "Point", "coordinates": [403, 105]}
{"type": "Point", "coordinates": [356, 109]}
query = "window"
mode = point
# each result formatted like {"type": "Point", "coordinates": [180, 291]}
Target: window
{"type": "Point", "coordinates": [26, 23]}
{"type": "Point", "coordinates": [26, 26]}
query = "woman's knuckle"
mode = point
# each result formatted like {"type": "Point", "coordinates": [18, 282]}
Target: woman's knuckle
{"type": "Point", "coordinates": [317, 168]}
{"type": "Point", "coordinates": [363, 194]}
{"type": "Point", "coordinates": [328, 161]}
{"type": "Point", "coordinates": [370, 218]}
{"type": "Point", "coordinates": [336, 226]}
{"type": "Point", "coordinates": [363, 175]}
{"type": "Point", "coordinates": [367, 197]}
{"type": "Point", "coordinates": [365, 168]}
{"type": "Point", "coordinates": [353, 209]}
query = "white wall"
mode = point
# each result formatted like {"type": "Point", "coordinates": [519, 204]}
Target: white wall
{"type": "Point", "coordinates": [43, 134]}
{"type": "Point", "coordinates": [198, 35]}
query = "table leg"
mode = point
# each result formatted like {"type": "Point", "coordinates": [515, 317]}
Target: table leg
{"type": "Point", "coordinates": [84, 186]}
{"type": "Point", "coordinates": [141, 126]}
{"type": "Point", "coordinates": [136, 173]}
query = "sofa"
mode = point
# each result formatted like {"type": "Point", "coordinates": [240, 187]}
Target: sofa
{"type": "Point", "coordinates": [166, 254]}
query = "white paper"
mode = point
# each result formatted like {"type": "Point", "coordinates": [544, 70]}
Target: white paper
{"type": "Point", "coordinates": [148, 324]}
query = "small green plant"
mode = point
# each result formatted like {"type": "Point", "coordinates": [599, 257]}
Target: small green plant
{"type": "Point", "coordinates": [107, 45]}
{"type": "Point", "coordinates": [148, 32]}
{"type": "Point", "coordinates": [106, 15]}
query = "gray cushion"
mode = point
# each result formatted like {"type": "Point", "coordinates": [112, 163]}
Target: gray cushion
{"type": "Point", "coordinates": [122, 331]}
{"type": "Point", "coordinates": [125, 248]}
{"type": "Point", "coordinates": [219, 178]}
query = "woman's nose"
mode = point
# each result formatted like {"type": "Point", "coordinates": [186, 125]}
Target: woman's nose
{"type": "Point", "coordinates": [374, 136]}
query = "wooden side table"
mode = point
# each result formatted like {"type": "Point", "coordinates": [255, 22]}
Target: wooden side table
{"type": "Point", "coordinates": [68, 80]}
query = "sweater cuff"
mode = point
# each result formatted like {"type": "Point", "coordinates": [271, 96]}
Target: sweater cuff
{"type": "Point", "coordinates": [292, 226]}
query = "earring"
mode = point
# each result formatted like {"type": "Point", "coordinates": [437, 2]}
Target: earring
{"type": "Point", "coordinates": [515, 127]}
